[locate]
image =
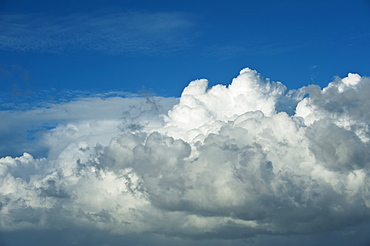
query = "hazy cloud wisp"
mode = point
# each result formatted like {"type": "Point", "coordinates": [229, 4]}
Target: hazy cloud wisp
{"type": "Point", "coordinates": [121, 32]}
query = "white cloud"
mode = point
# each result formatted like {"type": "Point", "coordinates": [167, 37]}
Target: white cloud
{"type": "Point", "coordinates": [96, 118]}
{"type": "Point", "coordinates": [226, 162]}
{"type": "Point", "coordinates": [201, 112]}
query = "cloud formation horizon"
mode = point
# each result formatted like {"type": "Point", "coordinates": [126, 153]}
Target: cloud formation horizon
{"type": "Point", "coordinates": [237, 161]}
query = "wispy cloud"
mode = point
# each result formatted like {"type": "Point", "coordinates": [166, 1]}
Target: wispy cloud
{"type": "Point", "coordinates": [101, 115]}
{"type": "Point", "coordinates": [253, 46]}
{"type": "Point", "coordinates": [113, 32]}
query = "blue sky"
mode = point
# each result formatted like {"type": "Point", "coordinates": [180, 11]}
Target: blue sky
{"type": "Point", "coordinates": [160, 46]}
{"type": "Point", "coordinates": [184, 122]}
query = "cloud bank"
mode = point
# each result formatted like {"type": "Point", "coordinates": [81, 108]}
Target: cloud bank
{"type": "Point", "coordinates": [227, 162]}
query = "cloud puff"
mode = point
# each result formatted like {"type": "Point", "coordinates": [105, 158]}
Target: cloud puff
{"type": "Point", "coordinates": [251, 158]}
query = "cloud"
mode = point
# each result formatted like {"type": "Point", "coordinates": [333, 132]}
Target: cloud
{"type": "Point", "coordinates": [110, 32]}
{"type": "Point", "coordinates": [71, 116]}
{"type": "Point", "coordinates": [249, 160]}
{"type": "Point", "coordinates": [250, 47]}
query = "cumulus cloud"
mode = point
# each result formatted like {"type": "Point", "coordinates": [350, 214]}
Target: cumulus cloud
{"type": "Point", "coordinates": [226, 162]}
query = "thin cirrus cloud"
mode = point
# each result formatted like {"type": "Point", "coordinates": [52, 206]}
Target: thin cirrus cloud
{"type": "Point", "coordinates": [125, 32]}
{"type": "Point", "coordinates": [245, 161]}
{"type": "Point", "coordinates": [253, 46]}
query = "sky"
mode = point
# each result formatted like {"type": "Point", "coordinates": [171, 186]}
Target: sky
{"type": "Point", "coordinates": [184, 122]}
{"type": "Point", "coordinates": [159, 46]}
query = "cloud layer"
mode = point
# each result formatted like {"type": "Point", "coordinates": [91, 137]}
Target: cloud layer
{"type": "Point", "coordinates": [117, 32]}
{"type": "Point", "coordinates": [251, 158]}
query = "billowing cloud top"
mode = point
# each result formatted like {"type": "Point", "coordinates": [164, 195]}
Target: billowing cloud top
{"type": "Point", "coordinates": [232, 161]}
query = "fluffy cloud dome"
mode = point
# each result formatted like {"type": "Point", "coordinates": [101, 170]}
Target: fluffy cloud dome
{"type": "Point", "coordinates": [234, 161]}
